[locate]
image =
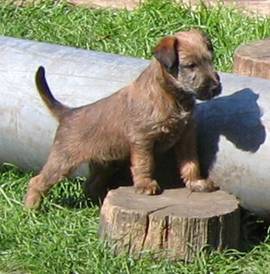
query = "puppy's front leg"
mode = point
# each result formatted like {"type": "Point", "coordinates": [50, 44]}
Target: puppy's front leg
{"type": "Point", "coordinates": [142, 168]}
{"type": "Point", "coordinates": [187, 161]}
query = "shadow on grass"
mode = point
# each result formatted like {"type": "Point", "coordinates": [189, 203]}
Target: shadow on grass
{"type": "Point", "coordinates": [254, 230]}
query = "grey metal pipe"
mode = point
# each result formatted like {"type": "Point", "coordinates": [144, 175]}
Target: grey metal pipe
{"type": "Point", "coordinates": [233, 129]}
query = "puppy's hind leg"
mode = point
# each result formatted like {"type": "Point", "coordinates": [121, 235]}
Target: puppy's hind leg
{"type": "Point", "coordinates": [58, 166]}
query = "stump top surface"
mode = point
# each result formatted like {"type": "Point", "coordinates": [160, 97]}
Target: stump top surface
{"type": "Point", "coordinates": [174, 202]}
{"type": "Point", "coordinates": [256, 50]}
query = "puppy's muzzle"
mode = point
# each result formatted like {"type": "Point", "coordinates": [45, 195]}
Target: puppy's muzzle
{"type": "Point", "coordinates": [215, 90]}
{"type": "Point", "coordinates": [217, 87]}
{"type": "Point", "coordinates": [211, 89]}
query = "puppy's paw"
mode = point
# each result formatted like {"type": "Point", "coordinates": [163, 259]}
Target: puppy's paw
{"type": "Point", "coordinates": [32, 200]}
{"type": "Point", "coordinates": [149, 187]}
{"type": "Point", "coordinates": [203, 185]}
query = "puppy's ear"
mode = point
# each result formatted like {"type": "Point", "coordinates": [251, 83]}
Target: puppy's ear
{"type": "Point", "coordinates": [165, 52]}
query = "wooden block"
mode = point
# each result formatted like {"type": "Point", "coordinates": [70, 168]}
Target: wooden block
{"type": "Point", "coordinates": [176, 224]}
{"type": "Point", "coordinates": [253, 59]}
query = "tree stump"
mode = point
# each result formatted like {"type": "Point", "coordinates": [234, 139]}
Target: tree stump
{"type": "Point", "coordinates": [253, 59]}
{"type": "Point", "coordinates": [175, 225]}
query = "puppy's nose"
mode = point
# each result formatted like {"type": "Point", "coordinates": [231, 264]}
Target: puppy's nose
{"type": "Point", "coordinates": [217, 87]}
{"type": "Point", "coordinates": [217, 77]}
{"type": "Point", "coordinates": [217, 90]}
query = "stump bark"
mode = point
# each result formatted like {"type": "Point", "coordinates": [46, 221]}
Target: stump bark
{"type": "Point", "coordinates": [176, 224]}
{"type": "Point", "coordinates": [253, 59]}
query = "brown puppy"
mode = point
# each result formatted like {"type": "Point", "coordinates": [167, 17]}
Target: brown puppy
{"type": "Point", "coordinates": [151, 115]}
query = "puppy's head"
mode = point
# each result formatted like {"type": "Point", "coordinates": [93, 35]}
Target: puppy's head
{"type": "Point", "coordinates": [187, 60]}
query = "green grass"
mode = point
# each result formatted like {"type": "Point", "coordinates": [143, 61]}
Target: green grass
{"type": "Point", "coordinates": [62, 236]}
{"type": "Point", "coordinates": [131, 33]}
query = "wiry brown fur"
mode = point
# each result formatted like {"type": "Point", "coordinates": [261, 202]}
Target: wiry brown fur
{"type": "Point", "coordinates": [151, 115]}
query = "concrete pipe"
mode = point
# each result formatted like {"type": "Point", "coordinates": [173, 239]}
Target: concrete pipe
{"type": "Point", "coordinates": [233, 130]}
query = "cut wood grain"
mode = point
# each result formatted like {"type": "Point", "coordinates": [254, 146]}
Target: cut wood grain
{"type": "Point", "coordinates": [253, 59]}
{"type": "Point", "coordinates": [176, 224]}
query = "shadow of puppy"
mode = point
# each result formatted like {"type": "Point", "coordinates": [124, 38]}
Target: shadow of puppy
{"type": "Point", "coordinates": [237, 117]}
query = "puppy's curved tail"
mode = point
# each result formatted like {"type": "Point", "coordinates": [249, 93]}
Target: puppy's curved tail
{"type": "Point", "coordinates": [56, 107]}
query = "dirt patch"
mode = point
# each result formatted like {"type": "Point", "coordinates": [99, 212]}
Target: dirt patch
{"type": "Point", "coordinates": [261, 7]}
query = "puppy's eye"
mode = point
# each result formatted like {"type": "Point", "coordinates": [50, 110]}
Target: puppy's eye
{"type": "Point", "coordinates": [190, 66]}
